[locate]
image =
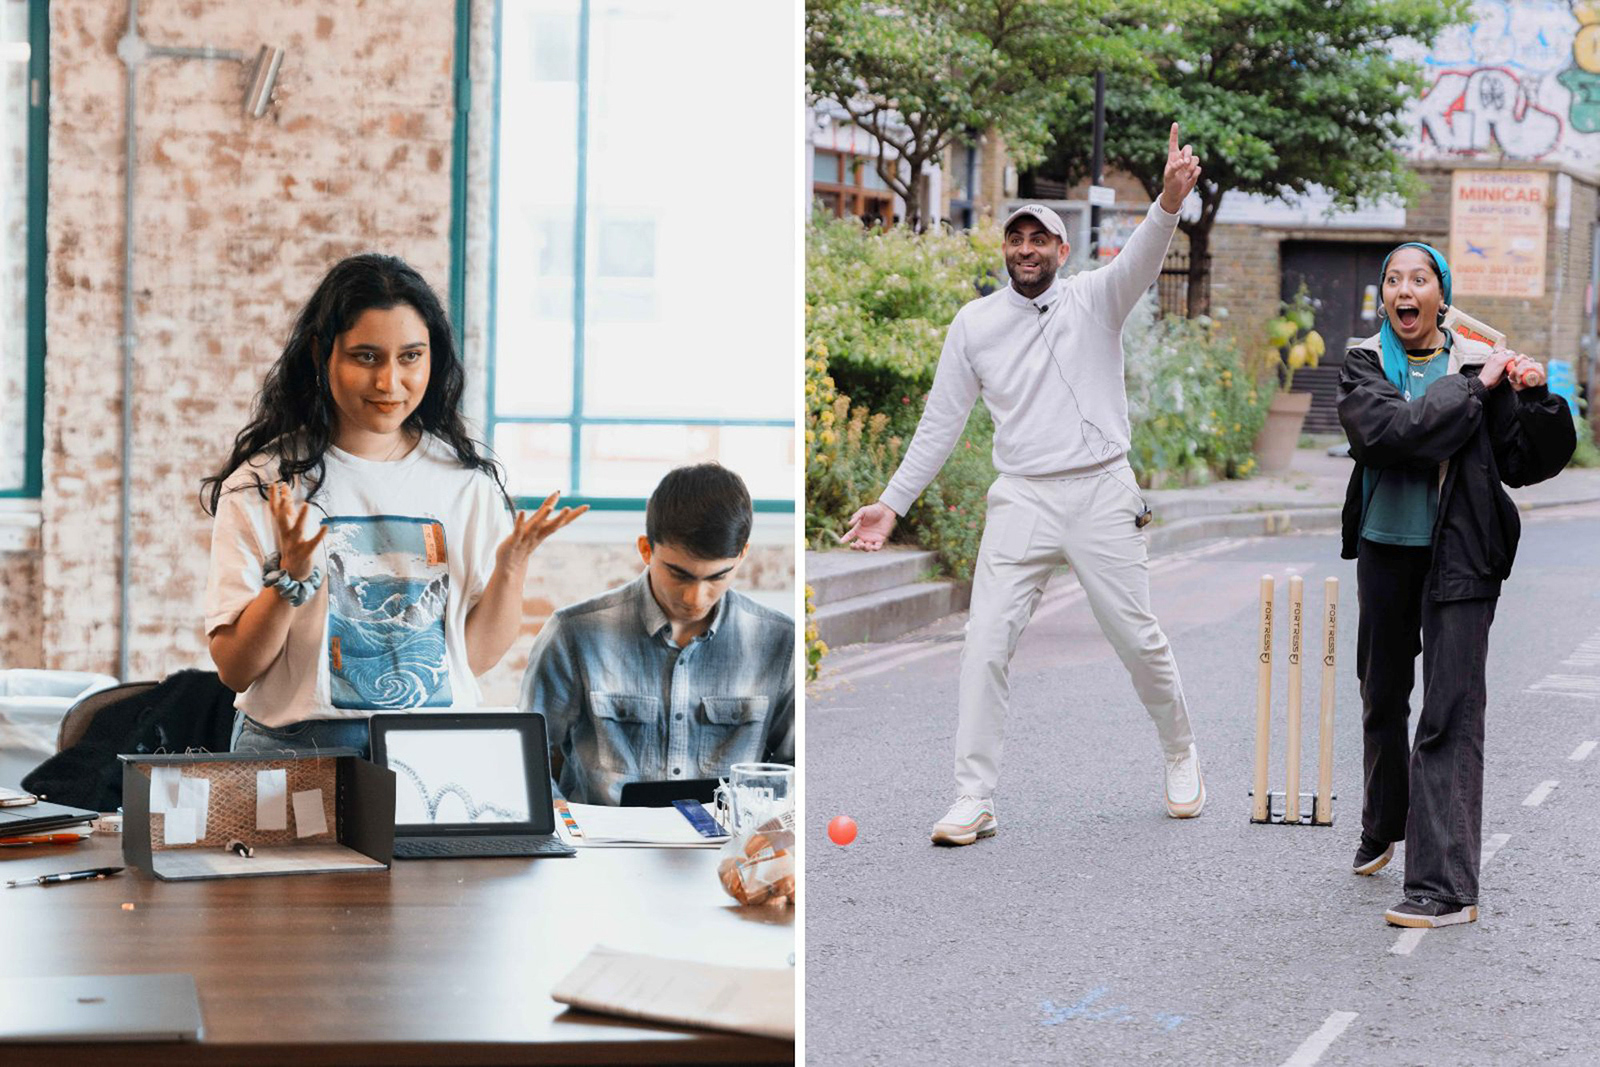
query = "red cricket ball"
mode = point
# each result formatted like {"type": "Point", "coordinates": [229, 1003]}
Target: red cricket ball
{"type": "Point", "coordinates": [842, 830]}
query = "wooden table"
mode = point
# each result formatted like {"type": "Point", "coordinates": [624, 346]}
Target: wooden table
{"type": "Point", "coordinates": [436, 961]}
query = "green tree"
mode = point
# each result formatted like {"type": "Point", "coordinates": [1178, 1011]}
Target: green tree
{"type": "Point", "coordinates": [1275, 96]}
{"type": "Point", "coordinates": [920, 75]}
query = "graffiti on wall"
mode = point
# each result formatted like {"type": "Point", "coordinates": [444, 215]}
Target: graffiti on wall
{"type": "Point", "coordinates": [1521, 81]}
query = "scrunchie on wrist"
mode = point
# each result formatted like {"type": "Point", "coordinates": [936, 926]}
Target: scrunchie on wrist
{"type": "Point", "coordinates": [295, 592]}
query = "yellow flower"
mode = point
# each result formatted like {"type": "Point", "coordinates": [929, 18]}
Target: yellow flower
{"type": "Point", "coordinates": [827, 437]}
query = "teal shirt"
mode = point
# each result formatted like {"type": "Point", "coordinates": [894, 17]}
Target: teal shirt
{"type": "Point", "coordinates": [1405, 503]}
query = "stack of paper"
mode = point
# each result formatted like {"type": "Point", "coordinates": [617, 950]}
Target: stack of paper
{"type": "Point", "coordinates": [747, 1000]}
{"type": "Point", "coordinates": [603, 826]}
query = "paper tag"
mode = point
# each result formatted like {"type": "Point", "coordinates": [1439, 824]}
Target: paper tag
{"type": "Point", "coordinates": [272, 800]}
{"type": "Point", "coordinates": [178, 827]}
{"type": "Point", "coordinates": [309, 819]}
{"type": "Point", "coordinates": [194, 794]}
{"type": "Point", "coordinates": [164, 788]}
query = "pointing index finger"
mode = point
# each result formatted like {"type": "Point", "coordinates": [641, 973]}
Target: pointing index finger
{"type": "Point", "coordinates": [1172, 140]}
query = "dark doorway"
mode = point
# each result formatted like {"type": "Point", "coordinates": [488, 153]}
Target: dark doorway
{"type": "Point", "coordinates": [1338, 275]}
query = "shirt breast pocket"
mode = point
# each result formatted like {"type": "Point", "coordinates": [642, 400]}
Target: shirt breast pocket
{"type": "Point", "coordinates": [729, 730]}
{"type": "Point", "coordinates": [627, 732]}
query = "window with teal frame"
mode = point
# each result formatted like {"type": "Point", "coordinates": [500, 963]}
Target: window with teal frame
{"type": "Point", "coordinates": [642, 301]}
{"type": "Point", "coordinates": [24, 112]}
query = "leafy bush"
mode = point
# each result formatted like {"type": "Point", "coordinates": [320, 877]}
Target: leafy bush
{"type": "Point", "coordinates": [879, 304]}
{"type": "Point", "coordinates": [850, 452]}
{"type": "Point", "coordinates": [948, 517]}
{"type": "Point", "coordinates": [1194, 404]}
{"type": "Point", "coordinates": [1587, 454]}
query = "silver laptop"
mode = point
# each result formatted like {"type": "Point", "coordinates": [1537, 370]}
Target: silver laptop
{"type": "Point", "coordinates": [100, 1007]}
{"type": "Point", "coordinates": [469, 785]}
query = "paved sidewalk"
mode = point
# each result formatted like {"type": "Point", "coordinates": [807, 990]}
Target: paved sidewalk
{"type": "Point", "coordinates": [1318, 480]}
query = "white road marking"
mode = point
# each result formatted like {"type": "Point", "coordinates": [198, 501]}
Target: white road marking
{"type": "Point", "coordinates": [1409, 939]}
{"type": "Point", "coordinates": [1567, 685]}
{"type": "Point", "coordinates": [1540, 791]}
{"type": "Point", "coordinates": [1312, 1048]}
{"type": "Point", "coordinates": [1583, 750]}
{"type": "Point", "coordinates": [1585, 655]}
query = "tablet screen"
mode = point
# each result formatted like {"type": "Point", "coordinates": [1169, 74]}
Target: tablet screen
{"type": "Point", "coordinates": [456, 777]}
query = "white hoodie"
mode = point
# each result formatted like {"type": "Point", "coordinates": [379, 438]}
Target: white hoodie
{"type": "Point", "coordinates": [1021, 355]}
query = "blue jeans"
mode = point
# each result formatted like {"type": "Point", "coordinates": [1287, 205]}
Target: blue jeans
{"type": "Point", "coordinates": [305, 737]}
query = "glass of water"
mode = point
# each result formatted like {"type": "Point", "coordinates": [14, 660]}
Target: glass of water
{"type": "Point", "coordinates": [758, 793]}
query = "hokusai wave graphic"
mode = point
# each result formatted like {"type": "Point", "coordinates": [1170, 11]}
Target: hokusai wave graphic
{"type": "Point", "coordinates": [391, 641]}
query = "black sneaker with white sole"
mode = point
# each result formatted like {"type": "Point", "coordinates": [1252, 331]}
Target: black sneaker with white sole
{"type": "Point", "coordinates": [1372, 855]}
{"type": "Point", "coordinates": [1430, 913]}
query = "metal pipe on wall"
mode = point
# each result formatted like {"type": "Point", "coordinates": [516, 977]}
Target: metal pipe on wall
{"type": "Point", "coordinates": [133, 50]}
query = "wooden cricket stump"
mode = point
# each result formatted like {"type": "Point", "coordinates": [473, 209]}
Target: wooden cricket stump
{"type": "Point", "coordinates": [1285, 806]}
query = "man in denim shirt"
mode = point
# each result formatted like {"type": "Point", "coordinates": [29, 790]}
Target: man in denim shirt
{"type": "Point", "coordinates": [674, 675]}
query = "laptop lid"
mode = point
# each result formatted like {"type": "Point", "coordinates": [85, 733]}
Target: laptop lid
{"type": "Point", "coordinates": [662, 794]}
{"type": "Point", "coordinates": [466, 774]}
{"type": "Point", "coordinates": [100, 1007]}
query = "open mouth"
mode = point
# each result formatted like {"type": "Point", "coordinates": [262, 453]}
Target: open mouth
{"type": "Point", "coordinates": [1406, 315]}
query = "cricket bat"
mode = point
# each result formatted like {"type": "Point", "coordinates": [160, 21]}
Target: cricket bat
{"type": "Point", "coordinates": [1524, 371]}
{"type": "Point", "coordinates": [1464, 325]}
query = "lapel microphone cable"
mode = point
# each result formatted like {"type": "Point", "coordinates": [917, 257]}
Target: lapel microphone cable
{"type": "Point", "coordinates": [1145, 515]}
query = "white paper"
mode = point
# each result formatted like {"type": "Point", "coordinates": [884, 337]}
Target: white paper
{"type": "Point", "coordinates": [748, 1000]}
{"type": "Point", "coordinates": [602, 824]}
{"type": "Point", "coordinates": [178, 827]}
{"type": "Point", "coordinates": [164, 788]}
{"type": "Point", "coordinates": [272, 800]}
{"type": "Point", "coordinates": [309, 819]}
{"type": "Point", "coordinates": [195, 795]}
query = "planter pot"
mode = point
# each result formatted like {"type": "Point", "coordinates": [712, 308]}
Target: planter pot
{"type": "Point", "coordinates": [1276, 444]}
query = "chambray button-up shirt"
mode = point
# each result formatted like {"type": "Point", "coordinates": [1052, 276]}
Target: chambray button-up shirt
{"type": "Point", "coordinates": [624, 703]}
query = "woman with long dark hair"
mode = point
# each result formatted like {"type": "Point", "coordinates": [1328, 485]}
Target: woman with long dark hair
{"type": "Point", "coordinates": [1436, 425]}
{"type": "Point", "coordinates": [364, 555]}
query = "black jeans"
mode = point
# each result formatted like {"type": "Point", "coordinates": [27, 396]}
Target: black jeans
{"type": "Point", "coordinates": [1429, 794]}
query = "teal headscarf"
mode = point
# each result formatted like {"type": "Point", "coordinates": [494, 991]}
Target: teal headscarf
{"type": "Point", "coordinates": [1394, 353]}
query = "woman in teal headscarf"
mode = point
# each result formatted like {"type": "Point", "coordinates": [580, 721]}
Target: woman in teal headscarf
{"type": "Point", "coordinates": [1436, 425]}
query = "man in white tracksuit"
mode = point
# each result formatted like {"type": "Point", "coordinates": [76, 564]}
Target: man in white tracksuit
{"type": "Point", "coordinates": [1045, 355]}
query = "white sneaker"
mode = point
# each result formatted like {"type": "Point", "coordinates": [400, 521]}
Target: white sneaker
{"type": "Point", "coordinates": [967, 820]}
{"type": "Point", "coordinates": [1186, 789]}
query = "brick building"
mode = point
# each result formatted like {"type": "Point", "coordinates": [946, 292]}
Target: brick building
{"type": "Point", "coordinates": [235, 220]}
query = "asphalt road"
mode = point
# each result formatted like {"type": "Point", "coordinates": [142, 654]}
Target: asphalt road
{"type": "Point", "coordinates": [1094, 929]}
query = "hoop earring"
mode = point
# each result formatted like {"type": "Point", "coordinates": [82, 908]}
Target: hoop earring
{"type": "Point", "coordinates": [1383, 312]}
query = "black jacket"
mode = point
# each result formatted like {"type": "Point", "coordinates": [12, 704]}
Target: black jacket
{"type": "Point", "coordinates": [1483, 436]}
{"type": "Point", "coordinates": [189, 709]}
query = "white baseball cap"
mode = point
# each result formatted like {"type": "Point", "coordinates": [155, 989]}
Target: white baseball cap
{"type": "Point", "coordinates": [1046, 217]}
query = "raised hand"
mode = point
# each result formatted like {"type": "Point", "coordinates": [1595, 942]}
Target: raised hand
{"type": "Point", "coordinates": [1524, 372]}
{"type": "Point", "coordinates": [870, 527]}
{"type": "Point", "coordinates": [295, 550]}
{"type": "Point", "coordinates": [1181, 174]}
{"type": "Point", "coordinates": [1494, 371]}
{"type": "Point", "coordinates": [528, 532]}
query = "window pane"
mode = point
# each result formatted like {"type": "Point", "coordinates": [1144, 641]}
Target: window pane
{"type": "Point", "coordinates": [536, 456]}
{"type": "Point", "coordinates": [14, 91]}
{"type": "Point", "coordinates": [824, 166]}
{"type": "Point", "coordinates": [628, 461]}
{"type": "Point", "coordinates": [537, 197]}
{"type": "Point", "coordinates": [690, 307]}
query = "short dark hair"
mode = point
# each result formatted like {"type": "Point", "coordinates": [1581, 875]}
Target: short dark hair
{"type": "Point", "coordinates": [704, 510]}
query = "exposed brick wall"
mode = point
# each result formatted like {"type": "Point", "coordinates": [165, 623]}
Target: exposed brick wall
{"type": "Point", "coordinates": [236, 221]}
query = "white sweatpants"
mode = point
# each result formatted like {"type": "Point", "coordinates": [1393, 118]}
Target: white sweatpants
{"type": "Point", "coordinates": [1034, 525]}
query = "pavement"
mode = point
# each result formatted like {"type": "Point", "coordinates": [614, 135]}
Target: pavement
{"type": "Point", "coordinates": [1094, 929]}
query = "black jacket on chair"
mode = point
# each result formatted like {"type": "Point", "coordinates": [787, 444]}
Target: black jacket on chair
{"type": "Point", "coordinates": [1482, 436]}
{"type": "Point", "coordinates": [190, 709]}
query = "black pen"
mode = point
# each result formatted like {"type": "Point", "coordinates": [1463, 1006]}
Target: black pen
{"type": "Point", "coordinates": [68, 876]}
